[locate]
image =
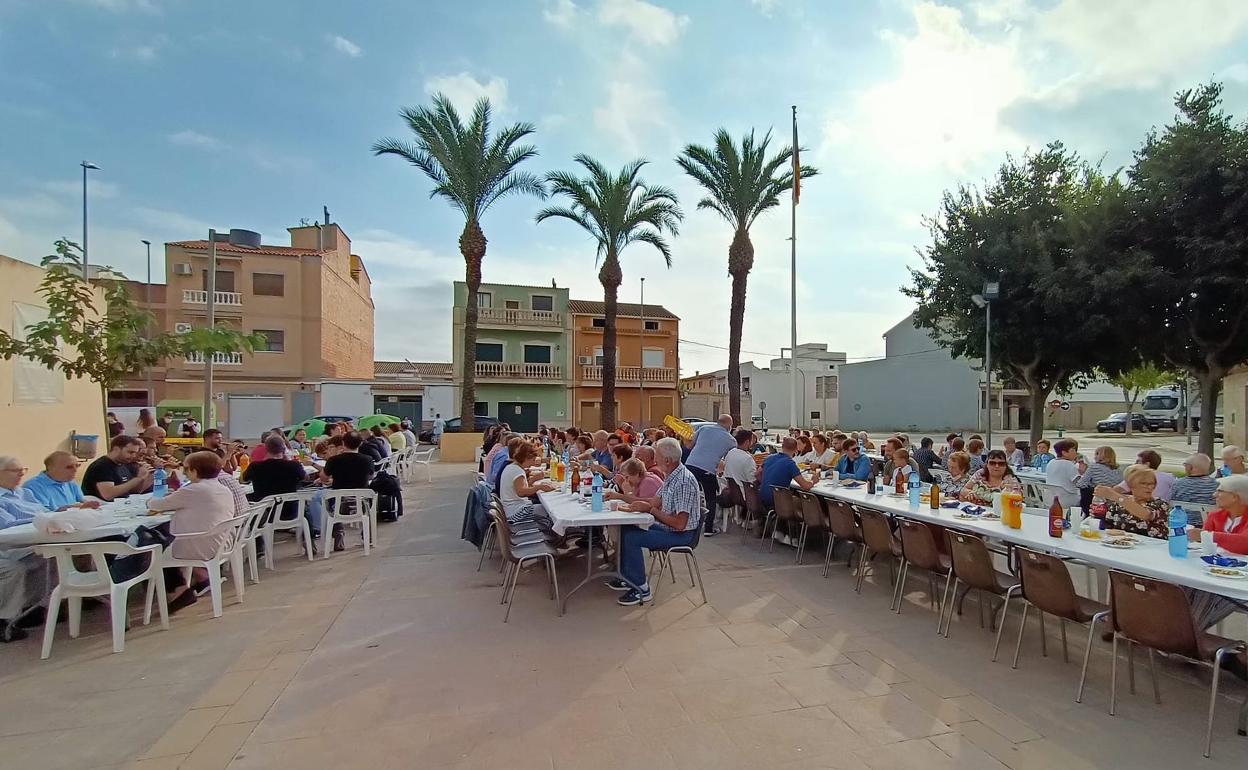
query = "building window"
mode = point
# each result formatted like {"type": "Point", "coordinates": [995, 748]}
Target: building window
{"type": "Point", "coordinates": [652, 358]}
{"type": "Point", "coordinates": [511, 304]}
{"type": "Point", "coordinates": [652, 326]}
{"type": "Point", "coordinates": [225, 280]}
{"type": "Point", "coordinates": [814, 415]}
{"type": "Point", "coordinates": [274, 341]}
{"type": "Point", "coordinates": [825, 387]}
{"type": "Point", "coordinates": [268, 284]}
{"type": "Point", "coordinates": [128, 398]}
{"type": "Point", "coordinates": [485, 299]}
{"type": "Point", "coordinates": [490, 351]}
{"type": "Point", "coordinates": [597, 356]}
{"type": "Point", "coordinates": [481, 409]}
{"type": "Point", "coordinates": [537, 354]}
{"type": "Point", "coordinates": [745, 384]}
{"type": "Point", "coordinates": [600, 323]}
{"type": "Point", "coordinates": [543, 302]}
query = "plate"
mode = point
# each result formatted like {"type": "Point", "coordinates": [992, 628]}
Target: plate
{"type": "Point", "coordinates": [966, 516]}
{"type": "Point", "coordinates": [1118, 542]}
{"type": "Point", "coordinates": [1227, 573]}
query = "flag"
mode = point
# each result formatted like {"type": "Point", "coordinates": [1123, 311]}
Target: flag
{"type": "Point", "coordinates": [797, 164]}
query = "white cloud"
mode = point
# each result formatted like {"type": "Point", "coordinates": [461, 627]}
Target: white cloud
{"type": "Point", "coordinates": [464, 90]}
{"type": "Point", "coordinates": [647, 23]}
{"type": "Point", "coordinates": [345, 46]}
{"type": "Point", "coordinates": [632, 110]}
{"type": "Point", "coordinates": [561, 13]}
{"type": "Point", "coordinates": [191, 138]}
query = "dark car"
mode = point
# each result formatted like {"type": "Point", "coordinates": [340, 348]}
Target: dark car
{"type": "Point", "coordinates": [454, 425]}
{"type": "Point", "coordinates": [1117, 423]}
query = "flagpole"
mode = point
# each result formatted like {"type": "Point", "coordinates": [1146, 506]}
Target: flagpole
{"type": "Point", "coordinates": [793, 285]}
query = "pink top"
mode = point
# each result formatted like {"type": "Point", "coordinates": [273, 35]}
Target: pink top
{"type": "Point", "coordinates": [259, 452]}
{"type": "Point", "coordinates": [197, 507]}
{"type": "Point", "coordinates": [649, 486]}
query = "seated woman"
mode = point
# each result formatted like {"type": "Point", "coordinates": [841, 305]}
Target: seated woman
{"type": "Point", "coordinates": [515, 489]}
{"type": "Point", "coordinates": [823, 455]}
{"type": "Point", "coordinates": [975, 448]}
{"type": "Point", "coordinates": [995, 476]}
{"type": "Point", "coordinates": [637, 485]}
{"type": "Point", "coordinates": [1043, 454]}
{"type": "Point", "coordinates": [1138, 511]}
{"type": "Point", "coordinates": [1103, 471]}
{"type": "Point", "coordinates": [620, 454]}
{"type": "Point", "coordinates": [805, 450]}
{"type": "Point", "coordinates": [582, 448]}
{"type": "Point", "coordinates": [959, 466]}
{"type": "Point", "coordinates": [197, 508]}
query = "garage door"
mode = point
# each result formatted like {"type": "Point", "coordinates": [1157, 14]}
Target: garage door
{"type": "Point", "coordinates": [249, 416]}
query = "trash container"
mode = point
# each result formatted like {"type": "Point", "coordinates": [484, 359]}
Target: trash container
{"type": "Point", "coordinates": [83, 445]}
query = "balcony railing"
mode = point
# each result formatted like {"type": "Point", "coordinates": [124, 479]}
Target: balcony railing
{"type": "Point", "coordinates": [218, 359]}
{"type": "Point", "coordinates": [498, 370]}
{"type": "Point", "coordinates": [515, 317]}
{"type": "Point", "coordinates": [648, 374]}
{"type": "Point", "coordinates": [197, 297]}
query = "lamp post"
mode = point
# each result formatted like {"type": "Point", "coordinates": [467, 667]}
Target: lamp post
{"type": "Point", "coordinates": [641, 373]}
{"type": "Point", "coordinates": [86, 165]}
{"type": "Point", "coordinates": [148, 332]}
{"type": "Point", "coordinates": [992, 290]}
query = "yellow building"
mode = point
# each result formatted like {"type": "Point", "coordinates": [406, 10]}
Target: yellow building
{"type": "Point", "coordinates": [39, 409]}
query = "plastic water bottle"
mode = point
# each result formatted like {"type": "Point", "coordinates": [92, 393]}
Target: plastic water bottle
{"type": "Point", "coordinates": [1178, 532]}
{"type": "Point", "coordinates": [160, 484]}
{"type": "Point", "coordinates": [914, 487]}
{"type": "Point", "coordinates": [596, 496]}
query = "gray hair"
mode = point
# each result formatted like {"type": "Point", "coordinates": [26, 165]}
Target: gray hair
{"type": "Point", "coordinates": [1200, 463]}
{"type": "Point", "coordinates": [1230, 450]}
{"type": "Point", "coordinates": [9, 461]}
{"type": "Point", "coordinates": [669, 448]}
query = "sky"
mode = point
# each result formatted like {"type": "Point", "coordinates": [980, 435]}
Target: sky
{"type": "Point", "coordinates": [257, 114]}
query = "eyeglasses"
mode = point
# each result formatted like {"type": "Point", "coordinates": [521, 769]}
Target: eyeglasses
{"type": "Point", "coordinates": [14, 470]}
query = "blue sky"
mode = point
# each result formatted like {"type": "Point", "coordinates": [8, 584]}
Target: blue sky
{"type": "Point", "coordinates": [254, 114]}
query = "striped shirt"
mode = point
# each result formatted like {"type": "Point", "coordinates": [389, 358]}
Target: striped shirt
{"type": "Point", "coordinates": [1100, 474]}
{"type": "Point", "coordinates": [681, 492]}
{"type": "Point", "coordinates": [1194, 489]}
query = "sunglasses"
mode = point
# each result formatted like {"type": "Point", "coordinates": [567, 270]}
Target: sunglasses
{"type": "Point", "coordinates": [996, 462]}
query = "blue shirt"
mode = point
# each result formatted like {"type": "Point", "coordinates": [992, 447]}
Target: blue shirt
{"type": "Point", "coordinates": [710, 444]}
{"type": "Point", "coordinates": [778, 471]}
{"type": "Point", "coordinates": [1041, 460]}
{"type": "Point", "coordinates": [854, 468]}
{"type": "Point", "coordinates": [54, 495]}
{"type": "Point", "coordinates": [603, 458]}
{"type": "Point", "coordinates": [496, 465]}
{"type": "Point", "coordinates": [17, 506]}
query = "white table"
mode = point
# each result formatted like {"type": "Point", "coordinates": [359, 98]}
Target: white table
{"type": "Point", "coordinates": [127, 517]}
{"type": "Point", "coordinates": [567, 510]}
{"type": "Point", "coordinates": [1030, 474]}
{"type": "Point", "coordinates": [1150, 557]}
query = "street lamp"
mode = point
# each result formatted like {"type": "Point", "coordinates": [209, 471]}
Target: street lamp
{"type": "Point", "coordinates": [992, 291]}
{"type": "Point", "coordinates": [641, 374]}
{"type": "Point", "coordinates": [235, 237]}
{"type": "Point", "coordinates": [86, 165]}
{"type": "Point", "coordinates": [148, 300]}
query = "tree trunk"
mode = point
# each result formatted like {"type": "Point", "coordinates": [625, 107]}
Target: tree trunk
{"type": "Point", "coordinates": [472, 245]}
{"type": "Point", "coordinates": [1126, 399]}
{"type": "Point", "coordinates": [611, 277]}
{"type": "Point", "coordinates": [1210, 385]}
{"type": "Point", "coordinates": [1038, 394]}
{"type": "Point", "coordinates": [740, 260]}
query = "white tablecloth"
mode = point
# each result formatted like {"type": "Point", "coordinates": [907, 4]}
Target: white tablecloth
{"type": "Point", "coordinates": [1150, 557]}
{"type": "Point", "coordinates": [129, 514]}
{"type": "Point", "coordinates": [1030, 474]}
{"type": "Point", "coordinates": [566, 511]}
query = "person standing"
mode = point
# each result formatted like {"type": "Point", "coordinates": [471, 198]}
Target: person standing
{"type": "Point", "coordinates": [439, 425]}
{"type": "Point", "coordinates": [711, 443]}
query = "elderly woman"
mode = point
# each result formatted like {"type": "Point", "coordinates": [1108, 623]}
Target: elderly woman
{"type": "Point", "coordinates": [959, 467]}
{"type": "Point", "coordinates": [1232, 461]}
{"type": "Point", "coordinates": [1137, 511]}
{"type": "Point", "coordinates": [637, 485]}
{"type": "Point", "coordinates": [995, 476]}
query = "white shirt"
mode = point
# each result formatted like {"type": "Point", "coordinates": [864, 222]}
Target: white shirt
{"type": "Point", "coordinates": [824, 459]}
{"type": "Point", "coordinates": [439, 425]}
{"type": "Point", "coordinates": [1016, 457]}
{"type": "Point", "coordinates": [739, 466]}
{"type": "Point", "coordinates": [1063, 473]}
{"type": "Point", "coordinates": [512, 502]}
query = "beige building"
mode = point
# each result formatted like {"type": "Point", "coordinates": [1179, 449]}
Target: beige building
{"type": "Point", "coordinates": [311, 300]}
{"type": "Point", "coordinates": [40, 409]}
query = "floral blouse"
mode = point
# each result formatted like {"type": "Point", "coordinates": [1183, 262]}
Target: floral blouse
{"type": "Point", "coordinates": [1157, 525]}
{"type": "Point", "coordinates": [979, 490]}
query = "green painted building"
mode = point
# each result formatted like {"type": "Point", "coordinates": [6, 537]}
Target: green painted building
{"type": "Point", "coordinates": [524, 349]}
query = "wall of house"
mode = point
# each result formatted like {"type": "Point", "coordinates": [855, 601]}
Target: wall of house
{"type": "Point", "coordinates": [551, 400]}
{"type": "Point", "coordinates": [1235, 408]}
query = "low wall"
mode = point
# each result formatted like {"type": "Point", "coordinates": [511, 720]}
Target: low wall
{"type": "Point", "coordinates": [460, 447]}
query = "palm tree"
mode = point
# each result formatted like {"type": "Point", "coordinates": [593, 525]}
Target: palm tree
{"type": "Point", "coordinates": [470, 170]}
{"type": "Point", "coordinates": [616, 211]}
{"type": "Point", "coordinates": [741, 184]}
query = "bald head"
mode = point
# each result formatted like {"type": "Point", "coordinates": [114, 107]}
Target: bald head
{"type": "Point", "coordinates": [789, 445]}
{"type": "Point", "coordinates": [725, 421]}
{"type": "Point", "coordinates": [61, 466]}
{"type": "Point", "coordinates": [646, 455]}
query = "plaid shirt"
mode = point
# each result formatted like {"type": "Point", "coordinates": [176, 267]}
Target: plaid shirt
{"type": "Point", "coordinates": [681, 492]}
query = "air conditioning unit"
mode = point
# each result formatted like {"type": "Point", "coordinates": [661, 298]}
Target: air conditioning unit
{"type": "Point", "coordinates": [586, 360]}
{"type": "Point", "coordinates": [182, 268]}
{"type": "Point", "coordinates": [181, 328]}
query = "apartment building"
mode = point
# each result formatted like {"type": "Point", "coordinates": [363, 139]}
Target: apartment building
{"type": "Point", "coordinates": [523, 368]}
{"type": "Point", "coordinates": [647, 363]}
{"type": "Point", "coordinates": [416, 390]}
{"type": "Point", "coordinates": [312, 301]}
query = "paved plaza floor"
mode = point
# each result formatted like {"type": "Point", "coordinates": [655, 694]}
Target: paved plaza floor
{"type": "Point", "coordinates": [401, 660]}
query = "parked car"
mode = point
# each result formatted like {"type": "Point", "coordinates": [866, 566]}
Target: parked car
{"type": "Point", "coordinates": [455, 425]}
{"type": "Point", "coordinates": [1117, 423]}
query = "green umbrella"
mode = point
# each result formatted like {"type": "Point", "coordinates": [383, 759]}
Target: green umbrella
{"type": "Point", "coordinates": [364, 423]}
{"type": "Point", "coordinates": [315, 428]}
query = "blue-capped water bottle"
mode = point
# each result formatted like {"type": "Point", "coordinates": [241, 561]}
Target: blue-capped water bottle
{"type": "Point", "coordinates": [914, 486]}
{"type": "Point", "coordinates": [1178, 532]}
{"type": "Point", "coordinates": [595, 504]}
{"type": "Point", "coordinates": [160, 483]}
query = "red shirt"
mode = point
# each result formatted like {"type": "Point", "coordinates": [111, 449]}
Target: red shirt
{"type": "Point", "coordinates": [1235, 540]}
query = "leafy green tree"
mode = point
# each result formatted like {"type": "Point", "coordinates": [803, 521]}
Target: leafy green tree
{"type": "Point", "coordinates": [1137, 381]}
{"type": "Point", "coordinates": [1188, 200]}
{"type": "Point", "coordinates": [1026, 229]}
{"type": "Point", "coordinates": [741, 183]}
{"type": "Point", "coordinates": [105, 344]}
{"type": "Point", "coordinates": [617, 211]}
{"type": "Point", "coordinates": [470, 170]}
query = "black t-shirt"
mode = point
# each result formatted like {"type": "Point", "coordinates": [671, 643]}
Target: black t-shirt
{"type": "Point", "coordinates": [370, 450]}
{"type": "Point", "coordinates": [273, 476]}
{"type": "Point", "coordinates": [349, 470]}
{"type": "Point", "coordinates": [105, 469]}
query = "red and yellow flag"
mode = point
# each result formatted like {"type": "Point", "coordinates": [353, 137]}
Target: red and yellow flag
{"type": "Point", "coordinates": [797, 164]}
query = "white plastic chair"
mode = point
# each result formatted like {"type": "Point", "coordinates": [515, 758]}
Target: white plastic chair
{"type": "Point", "coordinates": [229, 552]}
{"type": "Point", "coordinates": [299, 524]}
{"type": "Point", "coordinates": [74, 585]}
{"type": "Point", "coordinates": [349, 506]}
{"type": "Point", "coordinates": [253, 529]}
{"type": "Point", "coordinates": [425, 458]}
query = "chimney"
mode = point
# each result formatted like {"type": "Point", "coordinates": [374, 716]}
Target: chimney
{"type": "Point", "coordinates": [325, 211]}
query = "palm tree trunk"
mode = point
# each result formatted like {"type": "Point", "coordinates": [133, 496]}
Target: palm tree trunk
{"type": "Point", "coordinates": [740, 260]}
{"type": "Point", "coordinates": [611, 277]}
{"type": "Point", "coordinates": [472, 245]}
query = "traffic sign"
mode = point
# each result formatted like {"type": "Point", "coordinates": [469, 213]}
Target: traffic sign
{"type": "Point", "coordinates": [1065, 406]}
{"type": "Point", "coordinates": [1055, 403]}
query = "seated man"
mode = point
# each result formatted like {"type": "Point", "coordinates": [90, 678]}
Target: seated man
{"type": "Point", "coordinates": [118, 473]}
{"type": "Point", "coordinates": [779, 470]}
{"type": "Point", "coordinates": [853, 463]}
{"type": "Point", "coordinates": [647, 456]}
{"type": "Point", "coordinates": [1198, 485]}
{"type": "Point", "coordinates": [677, 511]}
{"type": "Point", "coordinates": [23, 575]}
{"type": "Point", "coordinates": [55, 488]}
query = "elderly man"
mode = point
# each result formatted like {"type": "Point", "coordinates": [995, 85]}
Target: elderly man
{"type": "Point", "coordinates": [55, 488]}
{"type": "Point", "coordinates": [647, 456]}
{"type": "Point", "coordinates": [1232, 461]}
{"type": "Point", "coordinates": [711, 443]}
{"type": "Point", "coordinates": [1198, 485]}
{"type": "Point", "coordinates": [677, 511]}
{"type": "Point", "coordinates": [23, 576]}
{"type": "Point", "coordinates": [118, 473]}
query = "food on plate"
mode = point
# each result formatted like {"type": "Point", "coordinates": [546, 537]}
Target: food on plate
{"type": "Point", "coordinates": [1225, 572]}
{"type": "Point", "coordinates": [1116, 532]}
{"type": "Point", "coordinates": [1090, 534]}
{"type": "Point", "coordinates": [1120, 542]}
